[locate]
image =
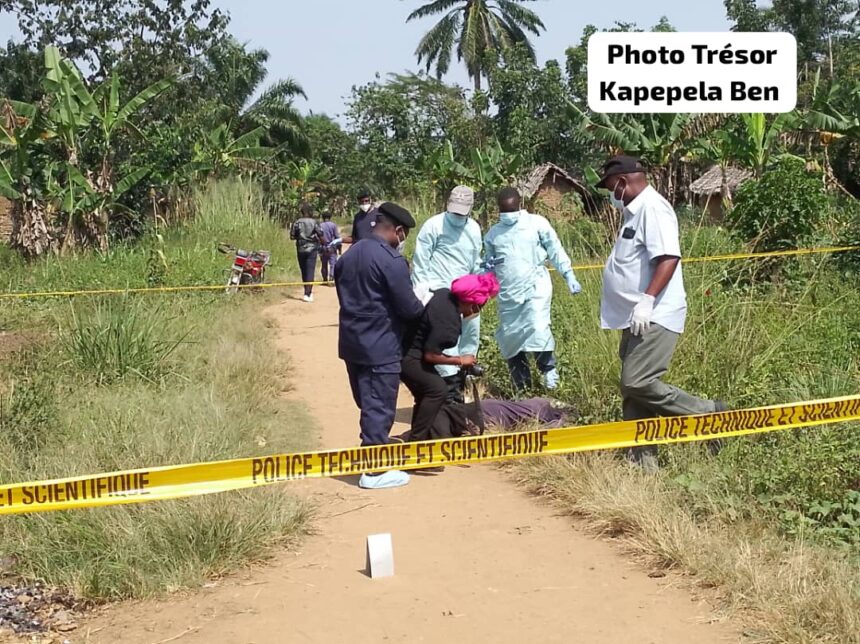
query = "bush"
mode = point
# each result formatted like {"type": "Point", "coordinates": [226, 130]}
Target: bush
{"type": "Point", "coordinates": [782, 209]}
{"type": "Point", "coordinates": [121, 337]}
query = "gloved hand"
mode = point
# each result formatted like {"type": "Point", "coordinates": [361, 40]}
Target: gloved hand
{"type": "Point", "coordinates": [640, 319]}
{"type": "Point", "coordinates": [574, 286]}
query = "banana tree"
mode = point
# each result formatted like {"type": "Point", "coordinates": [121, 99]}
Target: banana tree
{"type": "Point", "coordinates": [24, 129]}
{"type": "Point", "coordinates": [74, 110]}
{"type": "Point", "coordinates": [444, 170]}
{"type": "Point", "coordinates": [761, 138]}
{"type": "Point", "coordinates": [221, 151]}
{"type": "Point", "coordinates": [660, 140]}
{"type": "Point", "coordinates": [491, 169]}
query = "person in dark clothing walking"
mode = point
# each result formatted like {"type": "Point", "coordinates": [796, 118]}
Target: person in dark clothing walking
{"type": "Point", "coordinates": [438, 330]}
{"type": "Point", "coordinates": [308, 237]}
{"type": "Point", "coordinates": [330, 251]}
{"type": "Point", "coordinates": [376, 303]}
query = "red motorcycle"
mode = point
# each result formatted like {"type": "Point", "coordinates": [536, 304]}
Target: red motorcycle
{"type": "Point", "coordinates": [249, 268]}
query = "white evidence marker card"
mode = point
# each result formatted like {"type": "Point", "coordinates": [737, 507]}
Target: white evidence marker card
{"type": "Point", "coordinates": [380, 556]}
{"type": "Point", "coordinates": [701, 72]}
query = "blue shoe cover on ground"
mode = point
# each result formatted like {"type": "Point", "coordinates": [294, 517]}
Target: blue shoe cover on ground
{"type": "Point", "coordinates": [551, 379]}
{"type": "Point", "coordinates": [392, 478]}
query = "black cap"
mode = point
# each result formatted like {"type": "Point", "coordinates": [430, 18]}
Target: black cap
{"type": "Point", "coordinates": [397, 214]}
{"type": "Point", "coordinates": [621, 164]}
{"type": "Point", "coordinates": [364, 193]}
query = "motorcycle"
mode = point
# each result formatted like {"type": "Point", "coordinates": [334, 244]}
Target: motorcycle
{"type": "Point", "coordinates": [249, 267]}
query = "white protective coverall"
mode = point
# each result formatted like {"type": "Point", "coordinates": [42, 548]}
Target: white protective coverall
{"type": "Point", "coordinates": [519, 247]}
{"type": "Point", "coordinates": [448, 247]}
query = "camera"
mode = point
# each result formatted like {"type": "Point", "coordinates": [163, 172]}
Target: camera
{"type": "Point", "coordinates": [475, 371]}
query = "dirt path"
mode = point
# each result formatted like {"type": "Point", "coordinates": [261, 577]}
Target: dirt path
{"type": "Point", "coordinates": [476, 559]}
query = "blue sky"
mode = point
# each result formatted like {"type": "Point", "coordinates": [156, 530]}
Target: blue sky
{"type": "Point", "coordinates": [331, 45]}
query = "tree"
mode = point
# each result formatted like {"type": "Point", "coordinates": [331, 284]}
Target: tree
{"type": "Point", "coordinates": [58, 158]}
{"type": "Point", "coordinates": [23, 135]}
{"type": "Point", "coordinates": [660, 140]}
{"type": "Point", "coordinates": [531, 110]}
{"type": "Point", "coordinates": [146, 39]}
{"type": "Point", "coordinates": [20, 73]}
{"type": "Point", "coordinates": [816, 24]}
{"type": "Point", "coordinates": [577, 56]}
{"type": "Point", "coordinates": [479, 28]}
{"type": "Point", "coordinates": [234, 76]}
{"type": "Point", "coordinates": [338, 151]}
{"type": "Point", "coordinates": [403, 120]}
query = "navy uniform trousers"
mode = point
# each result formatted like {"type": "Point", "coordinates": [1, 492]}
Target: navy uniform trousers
{"type": "Point", "coordinates": [374, 389]}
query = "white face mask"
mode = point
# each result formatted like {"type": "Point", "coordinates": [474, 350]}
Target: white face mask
{"type": "Point", "coordinates": [365, 207]}
{"type": "Point", "coordinates": [401, 245]}
{"type": "Point", "coordinates": [618, 203]}
{"type": "Point", "coordinates": [509, 218]}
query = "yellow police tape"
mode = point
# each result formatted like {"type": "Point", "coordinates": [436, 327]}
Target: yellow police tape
{"type": "Point", "coordinates": [23, 295]}
{"type": "Point", "coordinates": [171, 482]}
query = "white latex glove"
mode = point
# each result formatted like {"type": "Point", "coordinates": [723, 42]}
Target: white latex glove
{"type": "Point", "coordinates": [573, 284]}
{"type": "Point", "coordinates": [423, 293]}
{"type": "Point", "coordinates": [640, 319]}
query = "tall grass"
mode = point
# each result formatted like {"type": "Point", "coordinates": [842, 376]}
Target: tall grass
{"type": "Point", "coordinates": [142, 381]}
{"type": "Point", "coordinates": [783, 590]}
{"type": "Point", "coordinates": [118, 337]}
{"type": "Point", "coordinates": [774, 520]}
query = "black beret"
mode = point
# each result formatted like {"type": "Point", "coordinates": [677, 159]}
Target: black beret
{"type": "Point", "coordinates": [398, 214]}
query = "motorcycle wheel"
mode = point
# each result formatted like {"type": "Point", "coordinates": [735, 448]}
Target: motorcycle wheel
{"type": "Point", "coordinates": [233, 283]}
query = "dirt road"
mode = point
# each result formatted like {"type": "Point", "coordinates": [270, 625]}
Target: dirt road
{"type": "Point", "coordinates": [476, 559]}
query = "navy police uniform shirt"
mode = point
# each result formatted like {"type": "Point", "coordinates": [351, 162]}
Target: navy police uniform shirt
{"type": "Point", "coordinates": [376, 303]}
{"type": "Point", "coordinates": [362, 225]}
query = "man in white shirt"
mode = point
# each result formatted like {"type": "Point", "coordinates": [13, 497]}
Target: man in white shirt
{"type": "Point", "coordinates": [643, 296]}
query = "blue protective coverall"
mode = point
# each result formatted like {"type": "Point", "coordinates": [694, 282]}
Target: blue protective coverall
{"type": "Point", "coordinates": [448, 247]}
{"type": "Point", "coordinates": [519, 246]}
{"type": "Point", "coordinates": [376, 302]}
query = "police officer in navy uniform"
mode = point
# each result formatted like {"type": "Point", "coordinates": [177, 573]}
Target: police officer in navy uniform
{"type": "Point", "coordinates": [364, 220]}
{"type": "Point", "coordinates": [376, 302]}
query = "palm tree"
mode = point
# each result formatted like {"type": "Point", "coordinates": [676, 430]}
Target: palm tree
{"type": "Point", "coordinates": [238, 74]}
{"type": "Point", "coordinates": [479, 28]}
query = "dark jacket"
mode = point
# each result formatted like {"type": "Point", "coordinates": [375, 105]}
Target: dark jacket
{"type": "Point", "coordinates": [376, 303]}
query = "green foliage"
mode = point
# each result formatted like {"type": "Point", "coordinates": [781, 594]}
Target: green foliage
{"type": "Point", "coordinates": [813, 23]}
{"type": "Point", "coordinates": [119, 338]}
{"type": "Point", "coordinates": [144, 41]}
{"type": "Point", "coordinates": [56, 421]}
{"type": "Point", "coordinates": [782, 209]}
{"type": "Point", "coordinates": [28, 412]}
{"type": "Point", "coordinates": [400, 123]}
{"type": "Point", "coordinates": [531, 110]}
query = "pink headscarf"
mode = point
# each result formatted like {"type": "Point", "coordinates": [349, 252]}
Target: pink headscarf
{"type": "Point", "coordinates": [475, 289]}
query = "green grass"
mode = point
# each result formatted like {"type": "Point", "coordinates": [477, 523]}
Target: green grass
{"type": "Point", "coordinates": [774, 521]}
{"type": "Point", "coordinates": [130, 381]}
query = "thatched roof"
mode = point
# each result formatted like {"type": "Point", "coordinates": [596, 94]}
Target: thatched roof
{"type": "Point", "coordinates": [712, 181]}
{"type": "Point", "coordinates": [529, 186]}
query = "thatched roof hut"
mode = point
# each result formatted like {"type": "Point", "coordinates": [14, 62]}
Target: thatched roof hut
{"type": "Point", "coordinates": [711, 182]}
{"type": "Point", "coordinates": [546, 188]}
{"type": "Point", "coordinates": [707, 190]}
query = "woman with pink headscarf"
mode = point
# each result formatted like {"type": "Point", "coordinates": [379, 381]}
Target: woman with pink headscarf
{"type": "Point", "coordinates": [426, 340]}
